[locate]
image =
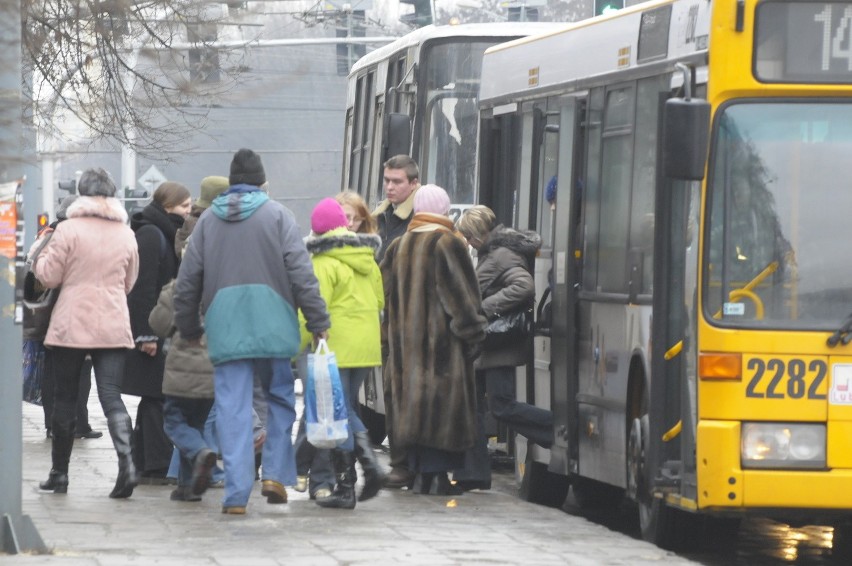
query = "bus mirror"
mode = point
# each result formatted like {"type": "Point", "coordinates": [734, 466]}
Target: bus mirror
{"type": "Point", "coordinates": [397, 135]}
{"type": "Point", "coordinates": [686, 134]}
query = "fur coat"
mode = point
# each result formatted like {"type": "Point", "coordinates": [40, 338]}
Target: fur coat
{"type": "Point", "coordinates": [431, 331]}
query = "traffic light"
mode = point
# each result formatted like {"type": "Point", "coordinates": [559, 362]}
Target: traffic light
{"type": "Point", "coordinates": [422, 15]}
{"type": "Point", "coordinates": [42, 220]}
{"type": "Point", "coordinates": [607, 6]}
{"type": "Point", "coordinates": [70, 186]}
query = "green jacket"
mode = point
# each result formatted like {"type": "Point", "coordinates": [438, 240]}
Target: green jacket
{"type": "Point", "coordinates": [351, 284]}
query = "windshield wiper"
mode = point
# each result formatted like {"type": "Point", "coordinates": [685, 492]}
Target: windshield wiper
{"type": "Point", "coordinates": [842, 335]}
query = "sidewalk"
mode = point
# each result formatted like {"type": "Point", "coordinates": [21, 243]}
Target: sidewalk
{"type": "Point", "coordinates": [85, 527]}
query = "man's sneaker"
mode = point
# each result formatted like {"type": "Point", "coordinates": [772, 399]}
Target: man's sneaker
{"type": "Point", "coordinates": [301, 484]}
{"type": "Point", "coordinates": [321, 493]}
{"type": "Point", "coordinates": [234, 510]}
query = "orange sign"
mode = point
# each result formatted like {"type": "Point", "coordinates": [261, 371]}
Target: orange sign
{"type": "Point", "coordinates": [8, 219]}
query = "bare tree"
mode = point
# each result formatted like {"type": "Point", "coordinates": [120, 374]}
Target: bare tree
{"type": "Point", "coordinates": [497, 11]}
{"type": "Point", "coordinates": [141, 73]}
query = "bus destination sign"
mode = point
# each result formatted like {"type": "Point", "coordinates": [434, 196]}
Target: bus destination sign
{"type": "Point", "coordinates": [803, 42]}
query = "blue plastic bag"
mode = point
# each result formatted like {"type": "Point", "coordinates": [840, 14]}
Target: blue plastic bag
{"type": "Point", "coordinates": [325, 406]}
{"type": "Point", "coordinates": [33, 366]}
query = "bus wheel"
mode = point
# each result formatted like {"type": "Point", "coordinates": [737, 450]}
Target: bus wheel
{"type": "Point", "coordinates": [375, 423]}
{"type": "Point", "coordinates": [541, 486]}
{"type": "Point", "coordinates": [656, 520]}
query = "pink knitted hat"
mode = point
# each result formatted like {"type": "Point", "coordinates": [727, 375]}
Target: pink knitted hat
{"type": "Point", "coordinates": [327, 215]}
{"type": "Point", "coordinates": [432, 198]}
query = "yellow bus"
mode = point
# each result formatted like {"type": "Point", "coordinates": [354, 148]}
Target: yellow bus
{"type": "Point", "coordinates": [685, 162]}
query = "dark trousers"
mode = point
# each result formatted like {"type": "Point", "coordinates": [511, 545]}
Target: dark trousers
{"type": "Point", "coordinates": [527, 420]}
{"type": "Point", "coordinates": [398, 454]}
{"type": "Point", "coordinates": [152, 449]}
{"type": "Point", "coordinates": [47, 393]}
{"type": "Point", "coordinates": [67, 365]}
{"type": "Point", "coordinates": [477, 462]}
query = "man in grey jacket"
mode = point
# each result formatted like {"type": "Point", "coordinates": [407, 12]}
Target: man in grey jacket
{"type": "Point", "coordinates": [247, 270]}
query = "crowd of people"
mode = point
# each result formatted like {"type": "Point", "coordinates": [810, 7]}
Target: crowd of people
{"type": "Point", "coordinates": [202, 309]}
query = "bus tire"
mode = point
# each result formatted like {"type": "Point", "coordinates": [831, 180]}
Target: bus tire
{"type": "Point", "coordinates": [543, 487]}
{"type": "Point", "coordinates": [375, 423]}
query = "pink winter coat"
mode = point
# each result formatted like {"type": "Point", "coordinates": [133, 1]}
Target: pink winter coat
{"type": "Point", "coordinates": [94, 258]}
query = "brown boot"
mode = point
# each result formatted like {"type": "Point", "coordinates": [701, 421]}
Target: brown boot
{"type": "Point", "coordinates": [399, 478]}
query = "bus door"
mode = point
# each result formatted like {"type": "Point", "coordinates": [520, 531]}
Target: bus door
{"type": "Point", "coordinates": [565, 201]}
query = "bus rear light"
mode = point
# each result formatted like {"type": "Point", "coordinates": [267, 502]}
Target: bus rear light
{"type": "Point", "coordinates": [720, 366]}
{"type": "Point", "coordinates": [783, 445]}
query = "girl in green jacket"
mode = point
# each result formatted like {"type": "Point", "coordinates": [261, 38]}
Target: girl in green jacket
{"type": "Point", "coordinates": [351, 284]}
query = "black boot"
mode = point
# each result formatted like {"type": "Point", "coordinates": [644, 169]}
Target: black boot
{"type": "Point", "coordinates": [343, 496]}
{"type": "Point", "coordinates": [120, 430]}
{"type": "Point", "coordinates": [60, 454]}
{"type": "Point", "coordinates": [57, 482]}
{"type": "Point", "coordinates": [374, 476]}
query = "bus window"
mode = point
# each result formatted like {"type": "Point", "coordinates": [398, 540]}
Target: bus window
{"type": "Point", "coordinates": [549, 184]}
{"type": "Point", "coordinates": [778, 200]}
{"type": "Point", "coordinates": [645, 174]}
{"type": "Point", "coordinates": [449, 131]}
{"type": "Point", "coordinates": [591, 190]}
{"type": "Point", "coordinates": [616, 160]}
{"type": "Point", "coordinates": [362, 135]}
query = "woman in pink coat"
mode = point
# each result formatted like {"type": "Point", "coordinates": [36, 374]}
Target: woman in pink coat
{"type": "Point", "coordinates": [93, 257]}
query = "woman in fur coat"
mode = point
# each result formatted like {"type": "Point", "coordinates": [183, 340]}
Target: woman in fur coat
{"type": "Point", "coordinates": [431, 330]}
{"type": "Point", "coordinates": [93, 257]}
{"type": "Point", "coordinates": [155, 227]}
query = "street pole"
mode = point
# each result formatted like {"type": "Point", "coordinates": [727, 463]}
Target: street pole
{"type": "Point", "coordinates": [17, 532]}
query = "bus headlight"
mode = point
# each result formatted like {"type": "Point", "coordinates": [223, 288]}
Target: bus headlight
{"type": "Point", "coordinates": [783, 445]}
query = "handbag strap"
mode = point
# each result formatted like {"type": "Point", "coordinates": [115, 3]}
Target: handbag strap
{"type": "Point", "coordinates": [41, 246]}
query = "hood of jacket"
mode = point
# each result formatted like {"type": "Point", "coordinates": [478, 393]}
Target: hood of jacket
{"type": "Point", "coordinates": [524, 243]}
{"type": "Point", "coordinates": [108, 208]}
{"type": "Point", "coordinates": [239, 202]}
{"type": "Point", "coordinates": [358, 251]}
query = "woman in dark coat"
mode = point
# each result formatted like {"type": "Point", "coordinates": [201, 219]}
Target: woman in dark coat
{"type": "Point", "coordinates": [505, 258]}
{"type": "Point", "coordinates": [431, 333]}
{"type": "Point", "coordinates": [155, 227]}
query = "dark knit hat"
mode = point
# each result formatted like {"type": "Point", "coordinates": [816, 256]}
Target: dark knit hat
{"type": "Point", "coordinates": [96, 183]}
{"type": "Point", "coordinates": [327, 215]}
{"type": "Point", "coordinates": [62, 211]}
{"type": "Point", "coordinates": [247, 169]}
{"type": "Point", "coordinates": [211, 187]}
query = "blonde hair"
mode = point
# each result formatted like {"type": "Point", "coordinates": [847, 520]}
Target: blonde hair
{"type": "Point", "coordinates": [353, 199]}
{"type": "Point", "coordinates": [476, 222]}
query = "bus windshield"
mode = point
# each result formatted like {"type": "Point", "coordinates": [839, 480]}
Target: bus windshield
{"type": "Point", "coordinates": [778, 251]}
{"type": "Point", "coordinates": [452, 76]}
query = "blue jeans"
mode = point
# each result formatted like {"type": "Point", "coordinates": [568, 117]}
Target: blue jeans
{"type": "Point", "coordinates": [211, 438]}
{"type": "Point", "coordinates": [351, 379]}
{"type": "Point", "coordinates": [183, 422]}
{"type": "Point", "coordinates": [234, 382]}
